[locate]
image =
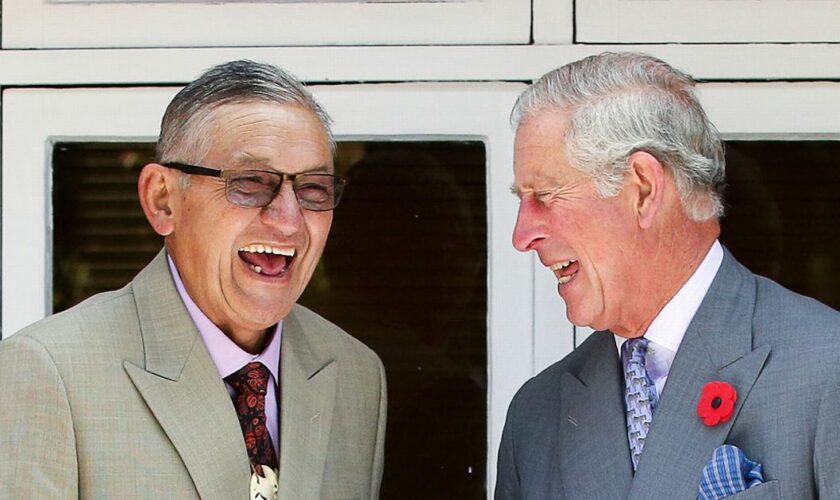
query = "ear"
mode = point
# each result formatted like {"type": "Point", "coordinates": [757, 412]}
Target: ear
{"type": "Point", "coordinates": [157, 187]}
{"type": "Point", "coordinates": [648, 176]}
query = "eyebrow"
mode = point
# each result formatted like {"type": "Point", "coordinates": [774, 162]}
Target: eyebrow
{"type": "Point", "coordinates": [520, 192]}
{"type": "Point", "coordinates": [246, 161]}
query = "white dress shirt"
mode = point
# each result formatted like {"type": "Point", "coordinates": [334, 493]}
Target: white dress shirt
{"type": "Point", "coordinates": [667, 330]}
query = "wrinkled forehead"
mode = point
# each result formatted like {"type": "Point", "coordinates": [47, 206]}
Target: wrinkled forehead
{"type": "Point", "coordinates": [541, 129]}
{"type": "Point", "coordinates": [268, 135]}
{"type": "Point", "coordinates": [539, 149]}
{"type": "Point", "coordinates": [226, 117]}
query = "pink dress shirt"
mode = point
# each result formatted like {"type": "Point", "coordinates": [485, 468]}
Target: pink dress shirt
{"type": "Point", "coordinates": [229, 357]}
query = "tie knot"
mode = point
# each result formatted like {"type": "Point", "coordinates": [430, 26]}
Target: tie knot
{"type": "Point", "coordinates": [635, 350]}
{"type": "Point", "coordinates": [250, 379]}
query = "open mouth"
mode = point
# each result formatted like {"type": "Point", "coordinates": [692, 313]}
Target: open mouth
{"type": "Point", "coordinates": [267, 260]}
{"type": "Point", "coordinates": [565, 271]}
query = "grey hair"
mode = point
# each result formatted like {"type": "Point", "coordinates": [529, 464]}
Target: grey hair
{"type": "Point", "coordinates": [620, 103]}
{"type": "Point", "coordinates": [185, 128]}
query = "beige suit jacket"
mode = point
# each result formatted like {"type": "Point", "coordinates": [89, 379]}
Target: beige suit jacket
{"type": "Point", "coordinates": [118, 398]}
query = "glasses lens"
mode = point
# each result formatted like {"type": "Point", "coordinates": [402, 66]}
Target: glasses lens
{"type": "Point", "coordinates": [318, 191]}
{"type": "Point", "coordinates": [256, 189]}
{"type": "Point", "coordinates": [252, 188]}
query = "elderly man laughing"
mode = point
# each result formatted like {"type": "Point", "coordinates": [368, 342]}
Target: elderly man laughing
{"type": "Point", "coordinates": [202, 377]}
{"type": "Point", "coordinates": [698, 364]}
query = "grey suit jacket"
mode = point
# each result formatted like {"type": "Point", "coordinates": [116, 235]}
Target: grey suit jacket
{"type": "Point", "coordinates": [118, 398]}
{"type": "Point", "coordinates": [565, 435]}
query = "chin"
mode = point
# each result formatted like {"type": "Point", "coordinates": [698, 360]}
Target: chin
{"type": "Point", "coordinates": [582, 320]}
{"type": "Point", "coordinates": [271, 315]}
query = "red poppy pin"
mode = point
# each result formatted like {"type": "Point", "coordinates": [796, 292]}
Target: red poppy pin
{"type": "Point", "coordinates": [717, 402]}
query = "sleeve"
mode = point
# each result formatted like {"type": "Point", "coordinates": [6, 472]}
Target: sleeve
{"type": "Point", "coordinates": [37, 444]}
{"type": "Point", "coordinates": [507, 477]}
{"type": "Point", "coordinates": [379, 451]}
{"type": "Point", "coordinates": [827, 440]}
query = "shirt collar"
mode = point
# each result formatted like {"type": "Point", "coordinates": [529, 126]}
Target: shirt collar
{"type": "Point", "coordinates": [226, 355]}
{"type": "Point", "coordinates": [668, 328]}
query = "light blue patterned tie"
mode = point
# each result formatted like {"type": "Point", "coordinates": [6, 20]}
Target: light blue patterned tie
{"type": "Point", "coordinates": [640, 397]}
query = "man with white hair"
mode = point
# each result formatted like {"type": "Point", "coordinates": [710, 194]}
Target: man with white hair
{"type": "Point", "coordinates": [703, 380]}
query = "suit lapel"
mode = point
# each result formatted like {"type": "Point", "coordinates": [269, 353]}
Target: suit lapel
{"type": "Point", "coordinates": [308, 385]}
{"type": "Point", "coordinates": [182, 387]}
{"type": "Point", "coordinates": [592, 424]}
{"type": "Point", "coordinates": [716, 346]}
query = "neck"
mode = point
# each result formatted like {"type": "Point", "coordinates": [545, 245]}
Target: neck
{"type": "Point", "coordinates": [676, 253]}
{"type": "Point", "coordinates": [252, 342]}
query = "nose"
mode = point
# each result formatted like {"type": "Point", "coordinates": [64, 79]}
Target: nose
{"type": "Point", "coordinates": [284, 211]}
{"type": "Point", "coordinates": [530, 228]}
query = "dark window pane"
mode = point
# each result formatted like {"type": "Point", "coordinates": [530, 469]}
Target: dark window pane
{"type": "Point", "coordinates": [100, 235]}
{"type": "Point", "coordinates": [783, 213]}
{"type": "Point", "coordinates": [404, 271]}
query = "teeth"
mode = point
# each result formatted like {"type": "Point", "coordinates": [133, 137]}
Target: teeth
{"type": "Point", "coordinates": [288, 252]}
{"type": "Point", "coordinates": [257, 269]}
{"type": "Point", "coordinates": [561, 265]}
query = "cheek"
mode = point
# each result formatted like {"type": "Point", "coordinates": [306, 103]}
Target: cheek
{"type": "Point", "coordinates": [615, 266]}
{"type": "Point", "coordinates": [603, 239]}
{"type": "Point", "coordinates": [216, 239]}
{"type": "Point", "coordinates": [318, 227]}
{"type": "Point", "coordinates": [610, 225]}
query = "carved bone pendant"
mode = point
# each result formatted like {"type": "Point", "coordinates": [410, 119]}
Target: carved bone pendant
{"type": "Point", "coordinates": [264, 487]}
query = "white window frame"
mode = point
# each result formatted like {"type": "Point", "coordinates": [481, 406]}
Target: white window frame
{"type": "Point", "coordinates": [707, 21]}
{"type": "Point", "coordinates": [35, 119]}
{"type": "Point", "coordinates": [132, 23]}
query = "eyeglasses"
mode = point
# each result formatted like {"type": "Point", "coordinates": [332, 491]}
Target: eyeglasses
{"type": "Point", "coordinates": [257, 188]}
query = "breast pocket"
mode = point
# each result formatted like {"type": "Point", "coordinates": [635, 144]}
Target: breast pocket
{"type": "Point", "coordinates": [764, 491]}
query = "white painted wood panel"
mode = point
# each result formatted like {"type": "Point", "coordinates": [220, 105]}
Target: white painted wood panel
{"type": "Point", "coordinates": [707, 21]}
{"type": "Point", "coordinates": [49, 24]}
{"type": "Point", "coordinates": [396, 64]}
{"type": "Point", "coordinates": [553, 21]}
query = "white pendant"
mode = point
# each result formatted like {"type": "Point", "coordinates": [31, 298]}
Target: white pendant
{"type": "Point", "coordinates": [264, 487]}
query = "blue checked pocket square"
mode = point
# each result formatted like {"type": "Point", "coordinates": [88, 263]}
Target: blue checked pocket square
{"type": "Point", "coordinates": [728, 472]}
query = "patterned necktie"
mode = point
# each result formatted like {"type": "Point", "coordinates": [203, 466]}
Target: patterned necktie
{"type": "Point", "coordinates": [251, 384]}
{"type": "Point", "coordinates": [640, 397]}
